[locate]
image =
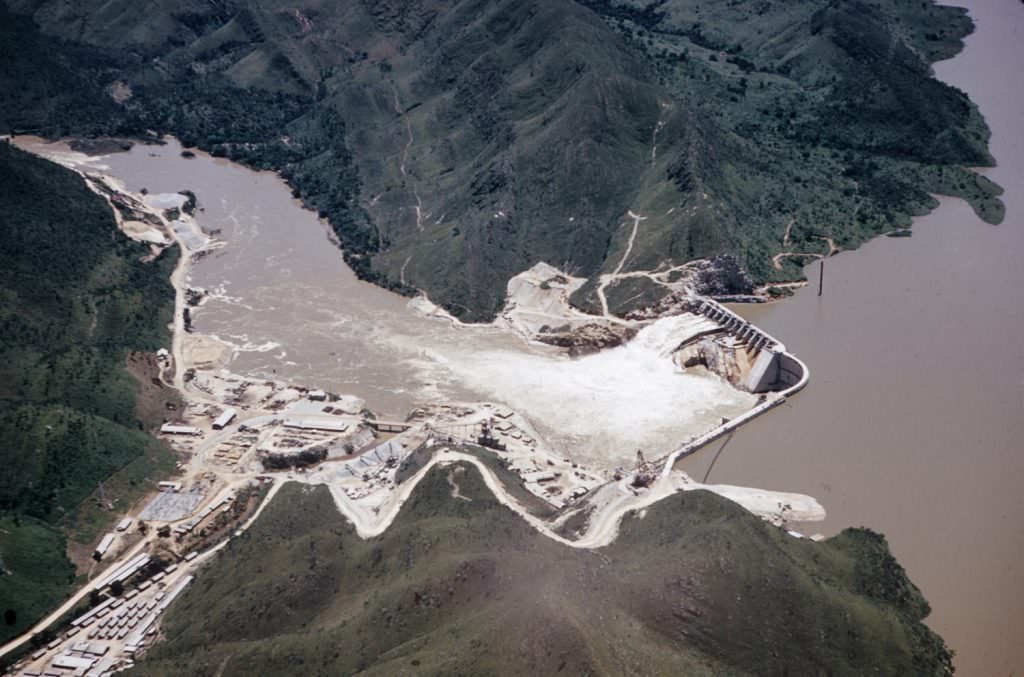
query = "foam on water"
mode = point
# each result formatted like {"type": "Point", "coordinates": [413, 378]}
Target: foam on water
{"type": "Point", "coordinates": [604, 406]}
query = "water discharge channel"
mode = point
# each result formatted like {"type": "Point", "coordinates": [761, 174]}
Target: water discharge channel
{"type": "Point", "coordinates": [284, 302]}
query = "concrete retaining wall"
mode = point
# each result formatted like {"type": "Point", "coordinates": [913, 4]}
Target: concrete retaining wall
{"type": "Point", "coordinates": [786, 370]}
{"type": "Point", "coordinates": [792, 372]}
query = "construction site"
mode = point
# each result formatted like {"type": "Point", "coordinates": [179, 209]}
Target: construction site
{"type": "Point", "coordinates": [152, 557]}
{"type": "Point", "coordinates": [239, 438]}
{"type": "Point", "coordinates": [558, 444]}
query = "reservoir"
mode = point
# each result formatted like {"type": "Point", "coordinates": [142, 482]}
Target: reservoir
{"type": "Point", "coordinates": [913, 422]}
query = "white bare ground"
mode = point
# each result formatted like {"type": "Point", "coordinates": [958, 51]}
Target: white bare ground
{"type": "Point", "coordinates": [405, 158]}
{"type": "Point", "coordinates": [774, 506]}
{"type": "Point", "coordinates": [606, 279]}
{"type": "Point", "coordinates": [539, 296]}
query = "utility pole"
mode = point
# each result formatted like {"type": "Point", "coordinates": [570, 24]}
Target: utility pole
{"type": "Point", "coordinates": [821, 265]}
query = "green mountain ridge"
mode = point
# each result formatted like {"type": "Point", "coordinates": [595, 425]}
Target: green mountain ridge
{"type": "Point", "coordinates": [696, 585]}
{"type": "Point", "coordinates": [455, 143]}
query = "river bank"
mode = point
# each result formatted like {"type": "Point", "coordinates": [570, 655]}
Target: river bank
{"type": "Point", "coordinates": [288, 309]}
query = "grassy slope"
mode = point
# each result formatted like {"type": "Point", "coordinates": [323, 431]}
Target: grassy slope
{"type": "Point", "coordinates": [512, 482]}
{"type": "Point", "coordinates": [826, 117]}
{"type": "Point", "coordinates": [697, 586]}
{"type": "Point", "coordinates": [533, 123]}
{"type": "Point", "coordinates": [76, 299]}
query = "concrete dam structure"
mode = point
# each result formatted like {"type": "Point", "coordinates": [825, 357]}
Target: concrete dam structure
{"type": "Point", "coordinates": [770, 370]}
{"type": "Point", "coordinates": [741, 353]}
{"type": "Point", "coordinates": [773, 371]}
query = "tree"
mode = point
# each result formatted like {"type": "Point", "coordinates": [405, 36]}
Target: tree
{"type": "Point", "coordinates": [117, 588]}
{"type": "Point", "coordinates": [42, 637]}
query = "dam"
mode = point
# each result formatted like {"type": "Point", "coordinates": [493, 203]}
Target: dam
{"type": "Point", "coordinates": [775, 374]}
{"type": "Point", "coordinates": [773, 369]}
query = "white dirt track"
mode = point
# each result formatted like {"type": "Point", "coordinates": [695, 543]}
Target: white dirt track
{"type": "Point", "coordinates": [604, 522]}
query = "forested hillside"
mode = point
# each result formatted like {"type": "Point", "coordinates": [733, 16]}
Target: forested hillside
{"type": "Point", "coordinates": [454, 143]}
{"type": "Point", "coordinates": [76, 298]}
{"type": "Point", "coordinates": [697, 586]}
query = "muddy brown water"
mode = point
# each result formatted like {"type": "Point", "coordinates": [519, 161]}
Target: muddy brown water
{"type": "Point", "coordinates": [282, 297]}
{"type": "Point", "coordinates": [913, 422]}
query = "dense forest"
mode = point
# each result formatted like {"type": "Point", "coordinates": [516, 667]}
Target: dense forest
{"type": "Point", "coordinates": [77, 298]}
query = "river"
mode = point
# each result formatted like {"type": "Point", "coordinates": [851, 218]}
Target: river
{"type": "Point", "coordinates": [913, 423]}
{"type": "Point", "coordinates": [285, 302]}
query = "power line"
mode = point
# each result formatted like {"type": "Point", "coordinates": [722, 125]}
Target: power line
{"type": "Point", "coordinates": [720, 449]}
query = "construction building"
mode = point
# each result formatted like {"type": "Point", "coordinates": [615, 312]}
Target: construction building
{"type": "Point", "coordinates": [225, 418]}
{"type": "Point", "coordinates": [103, 546]}
{"type": "Point", "coordinates": [316, 424]}
{"type": "Point", "coordinates": [171, 429]}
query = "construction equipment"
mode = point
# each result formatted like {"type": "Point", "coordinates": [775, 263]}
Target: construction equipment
{"type": "Point", "coordinates": [646, 472]}
{"type": "Point", "coordinates": [487, 439]}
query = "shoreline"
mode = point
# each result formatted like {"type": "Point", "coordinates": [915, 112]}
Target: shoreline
{"type": "Point", "coordinates": [421, 301]}
{"type": "Point", "coordinates": [759, 294]}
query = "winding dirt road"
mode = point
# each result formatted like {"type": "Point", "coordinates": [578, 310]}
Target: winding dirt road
{"type": "Point", "coordinates": [405, 157]}
{"type": "Point", "coordinates": [605, 280]}
{"type": "Point", "coordinates": [615, 501]}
